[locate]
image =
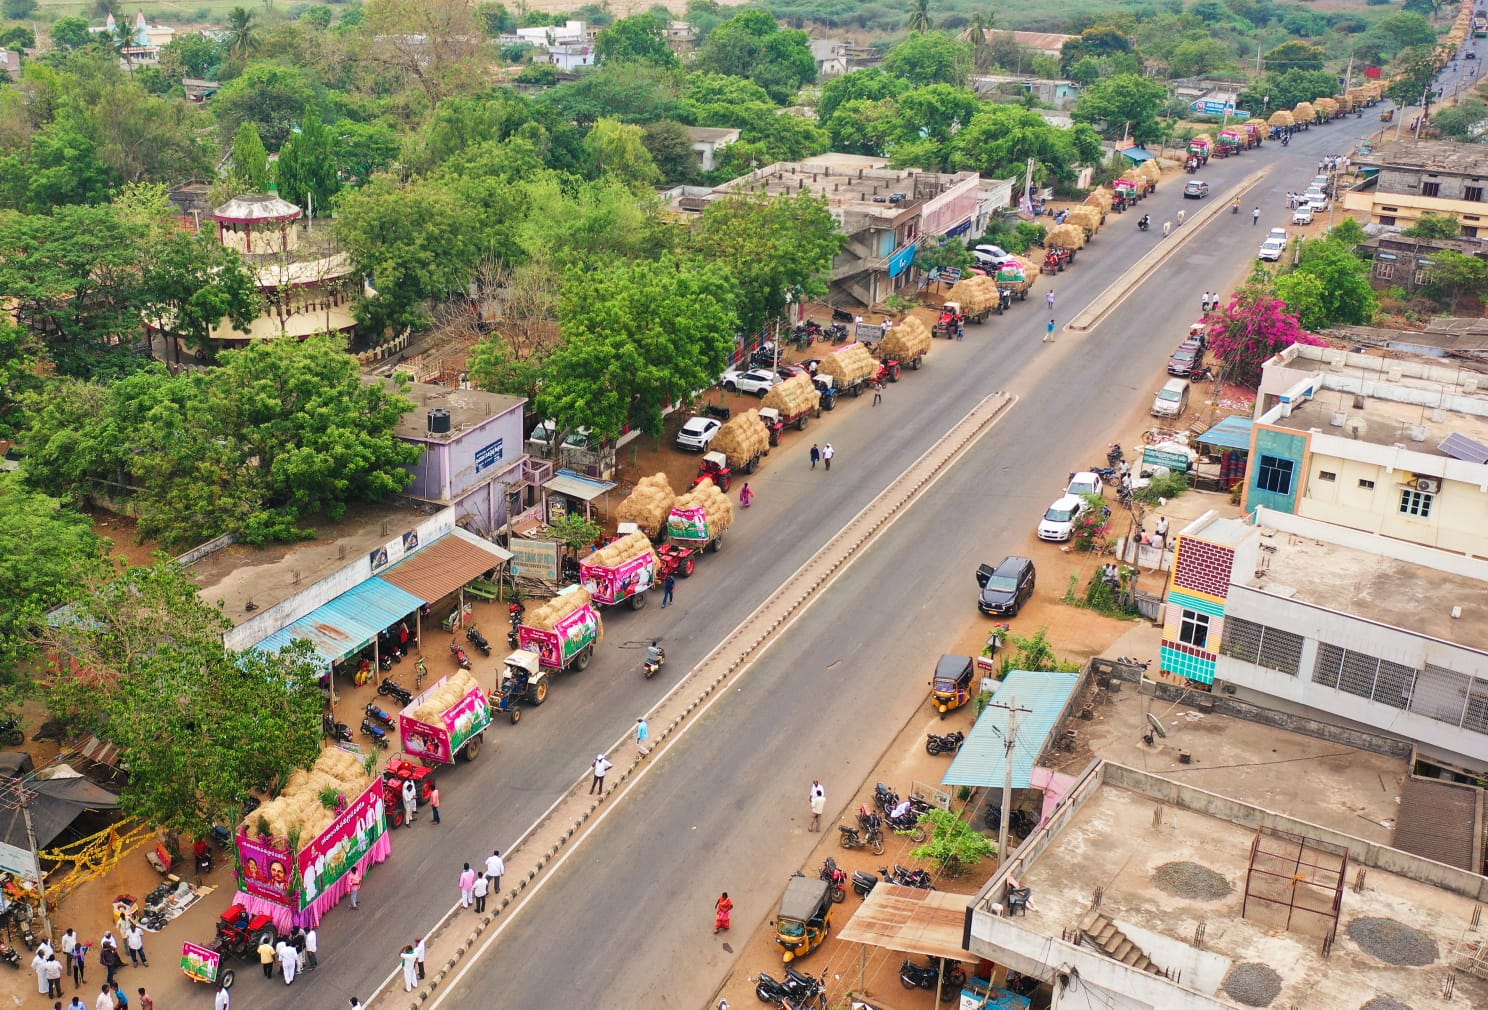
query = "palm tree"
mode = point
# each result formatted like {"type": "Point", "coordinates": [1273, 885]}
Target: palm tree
{"type": "Point", "coordinates": [981, 24]}
{"type": "Point", "coordinates": [242, 33]}
{"type": "Point", "coordinates": [119, 40]}
{"type": "Point", "coordinates": [919, 17]}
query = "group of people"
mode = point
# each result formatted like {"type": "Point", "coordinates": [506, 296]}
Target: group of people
{"type": "Point", "coordinates": [1209, 302]}
{"type": "Point", "coordinates": [74, 957]}
{"type": "Point", "coordinates": [294, 953]}
{"type": "Point", "coordinates": [822, 455]}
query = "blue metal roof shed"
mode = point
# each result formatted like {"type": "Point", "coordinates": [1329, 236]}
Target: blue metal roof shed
{"type": "Point", "coordinates": [1138, 154]}
{"type": "Point", "coordinates": [349, 622]}
{"type": "Point", "coordinates": [1231, 433]}
{"type": "Point", "coordinates": [982, 760]}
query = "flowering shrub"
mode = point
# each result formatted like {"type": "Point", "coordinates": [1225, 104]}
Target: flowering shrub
{"type": "Point", "coordinates": [1252, 328]}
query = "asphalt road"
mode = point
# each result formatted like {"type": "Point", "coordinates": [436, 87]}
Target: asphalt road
{"type": "Point", "coordinates": [627, 920]}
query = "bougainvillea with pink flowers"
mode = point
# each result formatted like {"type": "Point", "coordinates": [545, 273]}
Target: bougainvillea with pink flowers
{"type": "Point", "coordinates": [1253, 327]}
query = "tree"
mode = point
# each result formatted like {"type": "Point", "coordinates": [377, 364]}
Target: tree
{"type": "Point", "coordinates": [241, 35]}
{"type": "Point", "coordinates": [270, 96]}
{"type": "Point", "coordinates": [1454, 274]}
{"type": "Point", "coordinates": [953, 845]}
{"type": "Point", "coordinates": [70, 33]}
{"type": "Point", "coordinates": [436, 45]}
{"type": "Point", "coordinates": [930, 58]}
{"type": "Point", "coordinates": [1459, 122]}
{"type": "Point", "coordinates": [320, 16]}
{"type": "Point", "coordinates": [149, 664]}
{"type": "Point", "coordinates": [194, 55]}
{"type": "Point", "coordinates": [1415, 70]}
{"type": "Point", "coordinates": [629, 92]}
{"type": "Point", "coordinates": [919, 17]}
{"type": "Point", "coordinates": [191, 282]}
{"type": "Point", "coordinates": [1200, 57]}
{"type": "Point", "coordinates": [20, 373]}
{"type": "Point", "coordinates": [779, 250]}
{"type": "Point", "coordinates": [1430, 225]}
{"type": "Point", "coordinates": [1285, 90]}
{"type": "Point", "coordinates": [1124, 105]}
{"type": "Point", "coordinates": [1251, 329]}
{"type": "Point", "coordinates": [250, 162]}
{"type": "Point", "coordinates": [871, 84]}
{"type": "Point", "coordinates": [1096, 43]}
{"type": "Point", "coordinates": [307, 166]}
{"type": "Point", "coordinates": [62, 166]}
{"type": "Point", "coordinates": [1001, 138]}
{"type": "Point", "coordinates": [1348, 296]}
{"type": "Point", "coordinates": [18, 38]}
{"type": "Point", "coordinates": [1305, 298]}
{"type": "Point", "coordinates": [751, 44]}
{"type": "Point", "coordinates": [363, 148]}
{"type": "Point", "coordinates": [639, 39]}
{"type": "Point", "coordinates": [637, 338]}
{"type": "Point", "coordinates": [18, 10]}
{"type": "Point", "coordinates": [1295, 55]}
{"type": "Point", "coordinates": [618, 149]}
{"type": "Point", "coordinates": [670, 147]}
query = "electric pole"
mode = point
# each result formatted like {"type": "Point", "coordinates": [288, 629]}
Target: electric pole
{"type": "Point", "coordinates": [1009, 743]}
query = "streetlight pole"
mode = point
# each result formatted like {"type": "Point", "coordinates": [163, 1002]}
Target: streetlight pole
{"type": "Point", "coordinates": [1009, 744]}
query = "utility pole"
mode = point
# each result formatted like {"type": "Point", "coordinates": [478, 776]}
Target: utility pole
{"type": "Point", "coordinates": [17, 796]}
{"type": "Point", "coordinates": [1009, 743]}
{"type": "Point", "coordinates": [1348, 76]}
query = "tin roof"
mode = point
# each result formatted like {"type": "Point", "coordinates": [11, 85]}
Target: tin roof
{"type": "Point", "coordinates": [982, 760]}
{"type": "Point", "coordinates": [349, 622]}
{"type": "Point", "coordinates": [445, 565]}
{"type": "Point", "coordinates": [910, 920]}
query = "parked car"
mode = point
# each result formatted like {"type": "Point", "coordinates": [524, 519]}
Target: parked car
{"type": "Point", "coordinates": [1195, 189]}
{"type": "Point", "coordinates": [1278, 233]}
{"type": "Point", "coordinates": [990, 255]}
{"type": "Point", "coordinates": [1058, 523]}
{"type": "Point", "coordinates": [757, 381]}
{"type": "Point", "coordinates": [790, 372]}
{"type": "Point", "coordinates": [1005, 588]}
{"type": "Point", "coordinates": [1316, 199]}
{"type": "Point", "coordinates": [1271, 249]}
{"type": "Point", "coordinates": [697, 433]}
{"type": "Point", "coordinates": [1172, 399]}
{"type": "Point", "coordinates": [1085, 482]}
{"type": "Point", "coordinates": [542, 436]}
{"type": "Point", "coordinates": [1186, 358]}
{"type": "Point", "coordinates": [1303, 214]}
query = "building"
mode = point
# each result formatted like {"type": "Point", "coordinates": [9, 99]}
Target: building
{"type": "Point", "coordinates": [1407, 178]}
{"type": "Point", "coordinates": [885, 214]}
{"type": "Point", "coordinates": [10, 63]}
{"type": "Point", "coordinates": [570, 56]}
{"type": "Point", "coordinates": [1407, 262]}
{"type": "Point", "coordinates": [707, 141]}
{"type": "Point", "coordinates": [1395, 445]}
{"type": "Point", "coordinates": [147, 41]}
{"type": "Point", "coordinates": [1059, 94]}
{"type": "Point", "coordinates": [570, 33]}
{"type": "Point", "coordinates": [1043, 43]}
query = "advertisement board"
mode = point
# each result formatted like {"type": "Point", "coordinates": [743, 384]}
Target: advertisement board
{"type": "Point", "coordinates": [568, 637]}
{"type": "Point", "coordinates": [331, 854]}
{"type": "Point", "coordinates": [611, 585]}
{"type": "Point", "coordinates": [468, 716]}
{"type": "Point", "coordinates": [688, 523]}
{"type": "Point", "coordinates": [536, 559]}
{"type": "Point", "coordinates": [199, 963]}
{"type": "Point", "coordinates": [1175, 461]}
{"type": "Point", "coordinates": [265, 870]}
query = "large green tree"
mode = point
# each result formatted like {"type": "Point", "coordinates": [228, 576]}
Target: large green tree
{"type": "Point", "coordinates": [1454, 274]}
{"type": "Point", "coordinates": [192, 282]}
{"type": "Point", "coordinates": [753, 45]}
{"type": "Point", "coordinates": [307, 166]}
{"type": "Point", "coordinates": [638, 39]}
{"type": "Point", "coordinates": [1001, 138]}
{"type": "Point", "coordinates": [250, 160]}
{"type": "Point", "coordinates": [618, 150]}
{"type": "Point", "coordinates": [1124, 105]}
{"type": "Point", "coordinates": [1347, 296]}
{"type": "Point", "coordinates": [930, 58]}
{"type": "Point", "coordinates": [271, 96]}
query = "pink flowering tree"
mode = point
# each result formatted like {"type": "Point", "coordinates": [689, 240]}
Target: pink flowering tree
{"type": "Point", "coordinates": [1253, 327]}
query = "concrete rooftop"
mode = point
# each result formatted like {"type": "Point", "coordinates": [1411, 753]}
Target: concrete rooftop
{"type": "Point", "coordinates": [1375, 588]}
{"type": "Point", "coordinates": [1430, 155]}
{"type": "Point", "coordinates": [1120, 839]}
{"type": "Point", "coordinates": [882, 192]}
{"type": "Point", "coordinates": [467, 407]}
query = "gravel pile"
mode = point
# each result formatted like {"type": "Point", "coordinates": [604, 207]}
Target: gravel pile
{"type": "Point", "coordinates": [1385, 1003]}
{"type": "Point", "coordinates": [1191, 880]}
{"type": "Point", "coordinates": [1253, 984]}
{"type": "Point", "coordinates": [1393, 942]}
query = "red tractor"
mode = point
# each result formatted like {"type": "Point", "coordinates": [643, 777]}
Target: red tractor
{"type": "Point", "coordinates": [888, 370]}
{"type": "Point", "coordinates": [240, 934]}
{"type": "Point", "coordinates": [398, 771]}
{"type": "Point", "coordinates": [678, 561]}
{"type": "Point", "coordinates": [715, 467]}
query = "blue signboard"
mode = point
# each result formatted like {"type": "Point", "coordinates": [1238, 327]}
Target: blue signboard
{"type": "Point", "coordinates": [488, 456]}
{"type": "Point", "coordinates": [960, 229]}
{"type": "Point", "coordinates": [901, 260]}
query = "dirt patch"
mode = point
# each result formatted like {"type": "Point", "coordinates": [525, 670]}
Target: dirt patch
{"type": "Point", "coordinates": [1393, 942]}
{"type": "Point", "coordinates": [1192, 880]}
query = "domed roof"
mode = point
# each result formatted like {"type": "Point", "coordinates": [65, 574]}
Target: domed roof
{"type": "Point", "coordinates": [253, 207]}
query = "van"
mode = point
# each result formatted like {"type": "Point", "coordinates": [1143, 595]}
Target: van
{"type": "Point", "coordinates": [1172, 399]}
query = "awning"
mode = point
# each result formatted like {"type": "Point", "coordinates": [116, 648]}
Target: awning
{"type": "Point", "coordinates": [572, 484]}
{"type": "Point", "coordinates": [1231, 433]}
{"type": "Point", "coordinates": [911, 920]}
{"type": "Point", "coordinates": [1137, 155]}
{"type": "Point", "coordinates": [349, 622]}
{"type": "Point", "coordinates": [56, 803]}
{"type": "Point", "coordinates": [445, 565]}
{"type": "Point", "coordinates": [982, 760]}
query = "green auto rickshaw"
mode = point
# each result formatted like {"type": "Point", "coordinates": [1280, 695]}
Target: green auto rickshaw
{"type": "Point", "coordinates": [950, 687]}
{"type": "Point", "coordinates": [805, 917]}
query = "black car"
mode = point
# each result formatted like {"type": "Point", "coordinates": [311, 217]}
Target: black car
{"type": "Point", "coordinates": [1005, 588]}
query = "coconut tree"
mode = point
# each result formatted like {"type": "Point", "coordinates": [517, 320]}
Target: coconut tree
{"type": "Point", "coordinates": [919, 17]}
{"type": "Point", "coordinates": [242, 33]}
{"type": "Point", "coordinates": [976, 34]}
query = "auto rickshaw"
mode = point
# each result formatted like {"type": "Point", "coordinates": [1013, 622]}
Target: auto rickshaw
{"type": "Point", "coordinates": [805, 917]}
{"type": "Point", "coordinates": [950, 688]}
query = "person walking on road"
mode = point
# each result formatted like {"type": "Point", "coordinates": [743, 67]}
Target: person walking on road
{"type": "Point", "coordinates": [410, 977]}
{"type": "Point", "coordinates": [745, 496]}
{"type": "Point", "coordinates": [1255, 217]}
{"type": "Point", "coordinates": [356, 885]}
{"type": "Point", "coordinates": [1050, 300]}
{"type": "Point", "coordinates": [643, 733]}
{"type": "Point", "coordinates": [1049, 333]}
{"type": "Point", "coordinates": [482, 887]}
{"type": "Point", "coordinates": [434, 800]}
{"type": "Point", "coordinates": [312, 947]}
{"type": "Point", "coordinates": [146, 1001]}
{"type": "Point", "coordinates": [601, 765]}
{"type": "Point", "coordinates": [818, 804]}
{"type": "Point", "coordinates": [815, 455]}
{"type": "Point", "coordinates": [221, 1001]}
{"type": "Point", "coordinates": [410, 801]}
{"type": "Point", "coordinates": [420, 951]}
{"type": "Point", "coordinates": [877, 393]}
{"type": "Point", "coordinates": [467, 887]}
{"type": "Point", "coordinates": [827, 453]}
{"type": "Point", "coordinates": [667, 589]}
{"type": "Point", "coordinates": [495, 869]}
{"type": "Point", "coordinates": [722, 909]}
{"type": "Point", "coordinates": [289, 962]}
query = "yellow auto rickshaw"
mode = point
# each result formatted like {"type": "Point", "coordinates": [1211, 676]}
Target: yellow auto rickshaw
{"type": "Point", "coordinates": [805, 917]}
{"type": "Point", "coordinates": [951, 686]}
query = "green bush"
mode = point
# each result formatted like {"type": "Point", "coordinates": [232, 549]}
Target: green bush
{"type": "Point", "coordinates": [1167, 487]}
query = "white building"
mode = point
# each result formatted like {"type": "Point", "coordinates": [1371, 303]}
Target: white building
{"type": "Point", "coordinates": [569, 33]}
{"type": "Point", "coordinates": [707, 141]}
{"type": "Point", "coordinates": [569, 56]}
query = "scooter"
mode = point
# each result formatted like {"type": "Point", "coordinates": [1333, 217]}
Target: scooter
{"type": "Point", "coordinates": [377, 733]}
{"type": "Point", "coordinates": [9, 956]}
{"type": "Point", "coordinates": [377, 715]}
{"type": "Point", "coordinates": [459, 654]}
{"type": "Point", "coordinates": [1144, 223]}
{"type": "Point", "coordinates": [390, 688]}
{"type": "Point", "coordinates": [836, 879]}
{"type": "Point", "coordinates": [649, 666]}
{"type": "Point", "coordinates": [948, 744]}
{"type": "Point", "coordinates": [473, 635]}
{"type": "Point", "coordinates": [1235, 207]}
{"type": "Point", "coordinates": [863, 882]}
{"type": "Point", "coordinates": [336, 730]}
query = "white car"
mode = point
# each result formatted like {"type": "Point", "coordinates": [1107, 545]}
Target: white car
{"type": "Point", "coordinates": [1085, 482]}
{"type": "Point", "coordinates": [1271, 249]}
{"type": "Point", "coordinates": [757, 381]}
{"type": "Point", "coordinates": [542, 436]}
{"type": "Point", "coordinates": [1316, 199]}
{"type": "Point", "coordinates": [697, 433]}
{"type": "Point", "coordinates": [1059, 521]}
{"type": "Point", "coordinates": [990, 255]}
{"type": "Point", "coordinates": [1280, 234]}
{"type": "Point", "coordinates": [1303, 214]}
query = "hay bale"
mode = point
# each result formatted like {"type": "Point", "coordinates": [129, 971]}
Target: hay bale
{"type": "Point", "coordinates": [298, 806]}
{"type": "Point", "coordinates": [647, 506]}
{"type": "Point", "coordinates": [1066, 236]}
{"type": "Point", "coordinates": [742, 439]}
{"type": "Point", "coordinates": [1257, 122]}
{"type": "Point", "coordinates": [975, 293]}
{"type": "Point", "coordinates": [910, 339]}
{"type": "Point", "coordinates": [1304, 112]}
{"type": "Point", "coordinates": [1328, 107]}
{"type": "Point", "coordinates": [796, 395]}
{"type": "Point", "coordinates": [1373, 91]}
{"type": "Point", "coordinates": [1087, 218]}
{"type": "Point", "coordinates": [547, 616]}
{"type": "Point", "coordinates": [1206, 138]}
{"type": "Point", "coordinates": [715, 504]}
{"type": "Point", "coordinates": [1282, 117]}
{"type": "Point", "coordinates": [1151, 171]}
{"type": "Point", "coordinates": [1101, 198]}
{"type": "Point", "coordinates": [849, 364]}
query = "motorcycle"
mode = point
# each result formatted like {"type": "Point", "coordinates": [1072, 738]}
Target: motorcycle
{"type": "Point", "coordinates": [1107, 474]}
{"type": "Point", "coordinates": [1114, 455]}
{"type": "Point", "coordinates": [838, 333]}
{"type": "Point", "coordinates": [796, 989]}
{"type": "Point", "coordinates": [1235, 207]}
{"type": "Point", "coordinates": [908, 824]}
{"type": "Point", "coordinates": [514, 616]}
{"type": "Point", "coordinates": [649, 666]}
{"type": "Point", "coordinates": [920, 976]}
{"type": "Point", "coordinates": [11, 733]}
{"type": "Point", "coordinates": [855, 838]}
{"type": "Point", "coordinates": [459, 655]}
{"type": "Point", "coordinates": [863, 881]}
{"type": "Point", "coordinates": [473, 635]}
{"type": "Point", "coordinates": [836, 879]}
{"type": "Point", "coordinates": [905, 877]}
{"type": "Point", "coordinates": [885, 798]}
{"type": "Point", "coordinates": [1205, 374]}
{"type": "Point", "coordinates": [1285, 141]}
{"type": "Point", "coordinates": [570, 568]}
{"type": "Point", "coordinates": [377, 715]}
{"type": "Point", "coordinates": [384, 662]}
{"type": "Point", "coordinates": [392, 689]}
{"type": "Point", "coordinates": [948, 744]}
{"type": "Point", "coordinates": [336, 730]}
{"type": "Point", "coordinates": [9, 956]}
{"type": "Point", "coordinates": [377, 733]}
{"type": "Point", "coordinates": [389, 647]}
{"type": "Point", "coordinates": [1145, 223]}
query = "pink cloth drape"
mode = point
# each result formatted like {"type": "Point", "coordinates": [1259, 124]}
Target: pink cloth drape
{"type": "Point", "coordinates": [287, 919]}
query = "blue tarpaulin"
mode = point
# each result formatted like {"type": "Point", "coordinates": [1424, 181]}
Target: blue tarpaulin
{"type": "Point", "coordinates": [1231, 433]}
{"type": "Point", "coordinates": [349, 622]}
{"type": "Point", "coordinates": [982, 760]}
{"type": "Point", "coordinates": [1137, 155]}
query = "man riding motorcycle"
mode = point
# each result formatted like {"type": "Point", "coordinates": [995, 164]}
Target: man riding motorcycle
{"type": "Point", "coordinates": [655, 653]}
{"type": "Point", "coordinates": [1145, 222]}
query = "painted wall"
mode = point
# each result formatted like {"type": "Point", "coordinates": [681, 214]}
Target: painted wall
{"type": "Point", "coordinates": [1283, 444]}
{"type": "Point", "coordinates": [1199, 582]}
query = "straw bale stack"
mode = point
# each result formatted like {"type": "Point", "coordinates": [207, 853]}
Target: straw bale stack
{"type": "Point", "coordinates": [716, 506]}
{"type": "Point", "coordinates": [1328, 106]}
{"type": "Point", "coordinates": [978, 289]}
{"type": "Point", "coordinates": [1086, 217]}
{"type": "Point", "coordinates": [743, 439]}
{"type": "Point", "coordinates": [547, 616]}
{"type": "Point", "coordinates": [647, 506]}
{"type": "Point", "coordinates": [795, 396]}
{"type": "Point", "coordinates": [1066, 236]}
{"type": "Point", "coordinates": [1281, 117]}
{"type": "Point", "coordinates": [849, 364]}
{"type": "Point", "coordinates": [1304, 112]}
{"type": "Point", "coordinates": [1206, 138]}
{"type": "Point", "coordinates": [911, 338]}
{"type": "Point", "coordinates": [1256, 121]}
{"type": "Point", "coordinates": [455, 687]}
{"type": "Point", "coordinates": [1151, 171]}
{"type": "Point", "coordinates": [1373, 91]}
{"type": "Point", "coordinates": [1102, 199]}
{"type": "Point", "coordinates": [298, 806]}
{"type": "Point", "coordinates": [613, 555]}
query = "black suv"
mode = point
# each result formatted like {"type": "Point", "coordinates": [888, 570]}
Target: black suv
{"type": "Point", "coordinates": [1005, 588]}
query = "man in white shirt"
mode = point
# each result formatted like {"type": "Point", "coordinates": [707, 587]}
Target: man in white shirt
{"type": "Point", "coordinates": [135, 941]}
{"type": "Point", "coordinates": [69, 946]}
{"type": "Point", "coordinates": [222, 1001]}
{"type": "Point", "coordinates": [105, 1000]}
{"type": "Point", "coordinates": [312, 944]}
{"type": "Point", "coordinates": [495, 868]}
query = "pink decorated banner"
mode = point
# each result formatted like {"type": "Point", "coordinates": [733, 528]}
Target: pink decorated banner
{"type": "Point", "coordinates": [264, 870]}
{"type": "Point", "coordinates": [688, 523]}
{"type": "Point", "coordinates": [568, 637]}
{"type": "Point", "coordinates": [457, 724]}
{"type": "Point", "coordinates": [328, 857]}
{"type": "Point", "coordinates": [199, 963]}
{"type": "Point", "coordinates": [612, 585]}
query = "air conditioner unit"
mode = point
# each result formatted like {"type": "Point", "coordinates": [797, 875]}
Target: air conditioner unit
{"type": "Point", "coordinates": [1428, 485]}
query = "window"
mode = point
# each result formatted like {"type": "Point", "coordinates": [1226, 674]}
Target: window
{"type": "Point", "coordinates": [1474, 193]}
{"type": "Point", "coordinates": [1388, 220]}
{"type": "Point", "coordinates": [1275, 475]}
{"type": "Point", "coordinates": [1469, 232]}
{"type": "Point", "coordinates": [1367, 485]}
{"type": "Point", "coordinates": [1271, 648]}
{"type": "Point", "coordinates": [1431, 189]}
{"type": "Point", "coordinates": [1193, 629]}
{"type": "Point", "coordinates": [1384, 271]}
{"type": "Point", "coordinates": [1415, 503]}
{"type": "Point", "coordinates": [1327, 475]}
{"type": "Point", "coordinates": [1422, 276]}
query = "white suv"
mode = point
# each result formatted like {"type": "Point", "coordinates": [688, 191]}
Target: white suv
{"type": "Point", "coordinates": [1303, 214]}
{"type": "Point", "coordinates": [757, 381]}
